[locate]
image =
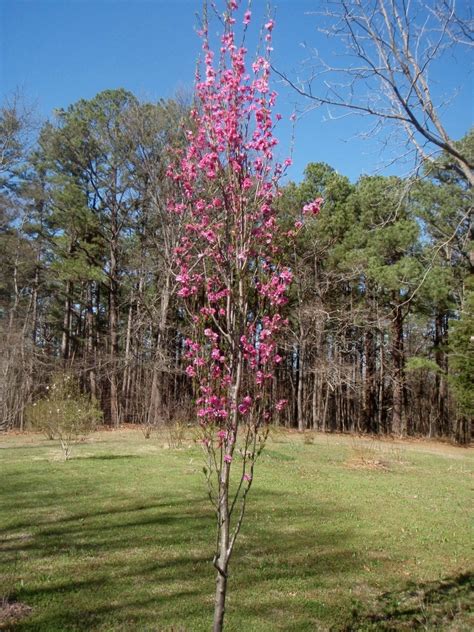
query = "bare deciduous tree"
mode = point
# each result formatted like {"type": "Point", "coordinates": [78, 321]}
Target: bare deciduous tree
{"type": "Point", "coordinates": [390, 47]}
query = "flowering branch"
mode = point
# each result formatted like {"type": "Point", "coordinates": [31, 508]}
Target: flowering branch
{"type": "Point", "coordinates": [231, 279]}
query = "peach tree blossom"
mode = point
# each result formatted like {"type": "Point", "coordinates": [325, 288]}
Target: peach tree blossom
{"type": "Point", "coordinates": [231, 278]}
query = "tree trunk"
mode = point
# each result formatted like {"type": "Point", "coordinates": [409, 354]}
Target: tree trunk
{"type": "Point", "coordinates": [34, 300]}
{"type": "Point", "coordinates": [90, 343]}
{"type": "Point", "coordinates": [440, 380]}
{"type": "Point", "coordinates": [223, 558]}
{"type": "Point", "coordinates": [301, 375]}
{"type": "Point", "coordinates": [126, 379]}
{"type": "Point", "coordinates": [325, 410]}
{"type": "Point", "coordinates": [381, 388]}
{"type": "Point", "coordinates": [314, 402]}
{"type": "Point", "coordinates": [156, 395]}
{"type": "Point", "coordinates": [66, 332]}
{"type": "Point", "coordinates": [113, 331]}
{"type": "Point", "coordinates": [398, 426]}
{"type": "Point", "coordinates": [370, 400]}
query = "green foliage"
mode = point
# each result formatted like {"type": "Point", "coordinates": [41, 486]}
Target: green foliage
{"type": "Point", "coordinates": [84, 220]}
{"type": "Point", "coordinates": [461, 356]}
{"type": "Point", "coordinates": [64, 414]}
{"type": "Point", "coordinates": [422, 364]}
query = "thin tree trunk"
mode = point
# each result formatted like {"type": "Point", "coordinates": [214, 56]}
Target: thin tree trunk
{"type": "Point", "coordinates": [225, 545]}
{"type": "Point", "coordinates": [127, 369]}
{"type": "Point", "coordinates": [440, 381]}
{"type": "Point", "coordinates": [381, 392]}
{"type": "Point", "coordinates": [314, 401]}
{"type": "Point", "coordinates": [398, 426]}
{"type": "Point", "coordinates": [90, 342]}
{"type": "Point", "coordinates": [34, 298]}
{"type": "Point", "coordinates": [325, 411]}
{"type": "Point", "coordinates": [223, 559]}
{"type": "Point", "coordinates": [156, 395]}
{"type": "Point", "coordinates": [369, 410]}
{"type": "Point", "coordinates": [301, 375]}
{"type": "Point", "coordinates": [113, 332]}
{"type": "Point", "coordinates": [66, 331]}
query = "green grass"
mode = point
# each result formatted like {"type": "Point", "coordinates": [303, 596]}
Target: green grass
{"type": "Point", "coordinates": [340, 534]}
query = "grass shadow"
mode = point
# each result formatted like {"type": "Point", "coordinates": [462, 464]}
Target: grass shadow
{"type": "Point", "coordinates": [108, 543]}
{"type": "Point", "coordinates": [432, 605]}
{"type": "Point", "coordinates": [166, 547]}
{"type": "Point", "coordinates": [106, 457]}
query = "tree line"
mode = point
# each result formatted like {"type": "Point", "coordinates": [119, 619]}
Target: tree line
{"type": "Point", "coordinates": [380, 310]}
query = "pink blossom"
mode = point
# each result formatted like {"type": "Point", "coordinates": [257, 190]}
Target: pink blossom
{"type": "Point", "coordinates": [184, 292]}
{"type": "Point", "coordinates": [280, 405]}
{"type": "Point", "coordinates": [207, 311]}
{"type": "Point", "coordinates": [245, 406]}
{"type": "Point", "coordinates": [209, 235]}
{"type": "Point", "coordinates": [226, 188]}
{"type": "Point", "coordinates": [313, 208]}
{"type": "Point", "coordinates": [286, 275]}
{"type": "Point", "coordinates": [210, 334]}
{"type": "Point", "coordinates": [227, 458]}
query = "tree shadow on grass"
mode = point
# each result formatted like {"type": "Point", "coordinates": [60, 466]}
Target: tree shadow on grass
{"type": "Point", "coordinates": [106, 457]}
{"type": "Point", "coordinates": [133, 615]}
{"type": "Point", "coordinates": [432, 605]}
{"type": "Point", "coordinates": [136, 564]}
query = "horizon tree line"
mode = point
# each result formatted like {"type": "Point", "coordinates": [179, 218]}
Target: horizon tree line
{"type": "Point", "coordinates": [380, 309]}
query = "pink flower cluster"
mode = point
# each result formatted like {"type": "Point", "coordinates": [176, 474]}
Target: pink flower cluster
{"type": "Point", "coordinates": [313, 208]}
{"type": "Point", "coordinates": [228, 271]}
{"type": "Point", "coordinates": [276, 287]}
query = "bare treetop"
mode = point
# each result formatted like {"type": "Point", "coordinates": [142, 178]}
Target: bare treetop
{"type": "Point", "coordinates": [390, 47]}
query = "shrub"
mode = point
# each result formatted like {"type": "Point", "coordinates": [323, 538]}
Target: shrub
{"type": "Point", "coordinates": [65, 414]}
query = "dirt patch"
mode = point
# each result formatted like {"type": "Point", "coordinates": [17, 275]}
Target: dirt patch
{"type": "Point", "coordinates": [11, 613]}
{"type": "Point", "coordinates": [367, 464]}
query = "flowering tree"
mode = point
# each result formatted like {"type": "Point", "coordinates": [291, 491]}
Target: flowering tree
{"type": "Point", "coordinates": [230, 276]}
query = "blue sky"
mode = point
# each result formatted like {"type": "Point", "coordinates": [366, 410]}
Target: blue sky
{"type": "Point", "coordinates": [58, 51]}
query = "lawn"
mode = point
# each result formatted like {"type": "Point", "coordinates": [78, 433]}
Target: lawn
{"type": "Point", "coordinates": [340, 534]}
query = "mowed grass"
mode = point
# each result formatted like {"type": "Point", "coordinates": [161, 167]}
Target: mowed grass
{"type": "Point", "coordinates": [340, 534]}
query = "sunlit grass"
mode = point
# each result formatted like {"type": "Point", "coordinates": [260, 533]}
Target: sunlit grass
{"type": "Point", "coordinates": [121, 536]}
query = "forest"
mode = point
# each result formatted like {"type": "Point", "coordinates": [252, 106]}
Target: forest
{"type": "Point", "coordinates": [380, 309]}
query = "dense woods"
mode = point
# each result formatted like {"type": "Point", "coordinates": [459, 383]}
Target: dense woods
{"type": "Point", "coordinates": [381, 308]}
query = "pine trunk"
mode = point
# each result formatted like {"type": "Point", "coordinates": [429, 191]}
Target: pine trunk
{"type": "Point", "coordinates": [398, 426]}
